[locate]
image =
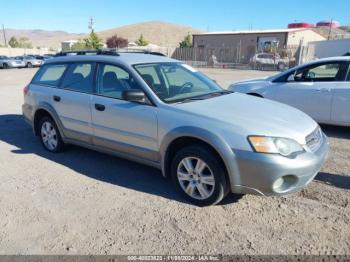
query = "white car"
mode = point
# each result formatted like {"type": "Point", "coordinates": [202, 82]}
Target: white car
{"type": "Point", "coordinates": [320, 88]}
{"type": "Point", "coordinates": [262, 61]}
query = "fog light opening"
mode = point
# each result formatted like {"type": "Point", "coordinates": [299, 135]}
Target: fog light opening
{"type": "Point", "coordinates": [278, 183]}
{"type": "Point", "coordinates": [284, 184]}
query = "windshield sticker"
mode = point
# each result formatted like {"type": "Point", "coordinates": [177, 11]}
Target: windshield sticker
{"type": "Point", "coordinates": [190, 68]}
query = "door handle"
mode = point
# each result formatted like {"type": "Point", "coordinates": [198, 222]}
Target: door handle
{"type": "Point", "coordinates": [323, 90]}
{"type": "Point", "coordinates": [57, 98]}
{"type": "Point", "coordinates": [100, 107]}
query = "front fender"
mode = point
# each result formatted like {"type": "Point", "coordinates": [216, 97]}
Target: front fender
{"type": "Point", "coordinates": [214, 140]}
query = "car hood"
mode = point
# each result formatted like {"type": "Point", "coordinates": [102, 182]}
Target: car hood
{"type": "Point", "coordinates": [251, 85]}
{"type": "Point", "coordinates": [253, 80]}
{"type": "Point", "coordinates": [253, 116]}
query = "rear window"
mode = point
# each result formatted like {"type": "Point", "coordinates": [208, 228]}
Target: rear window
{"type": "Point", "coordinates": [50, 75]}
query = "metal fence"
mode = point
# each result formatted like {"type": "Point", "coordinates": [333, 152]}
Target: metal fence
{"type": "Point", "coordinates": [240, 57]}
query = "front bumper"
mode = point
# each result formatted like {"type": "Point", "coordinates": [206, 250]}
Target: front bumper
{"type": "Point", "coordinates": [260, 172]}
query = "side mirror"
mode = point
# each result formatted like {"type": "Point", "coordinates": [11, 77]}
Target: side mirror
{"type": "Point", "coordinates": [135, 95]}
{"type": "Point", "coordinates": [291, 78]}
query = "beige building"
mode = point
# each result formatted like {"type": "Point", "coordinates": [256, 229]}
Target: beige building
{"type": "Point", "coordinates": [67, 45]}
{"type": "Point", "coordinates": [249, 42]}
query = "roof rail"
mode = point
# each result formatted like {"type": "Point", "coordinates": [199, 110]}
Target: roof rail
{"type": "Point", "coordinates": [107, 51]}
{"type": "Point", "coordinates": [135, 50]}
{"type": "Point", "coordinates": [87, 52]}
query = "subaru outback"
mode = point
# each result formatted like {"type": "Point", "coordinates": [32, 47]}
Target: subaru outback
{"type": "Point", "coordinates": [158, 111]}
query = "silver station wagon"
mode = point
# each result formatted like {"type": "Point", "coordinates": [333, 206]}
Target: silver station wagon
{"type": "Point", "coordinates": [163, 113]}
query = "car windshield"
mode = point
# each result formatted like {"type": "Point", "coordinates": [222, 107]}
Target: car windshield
{"type": "Point", "coordinates": [176, 82]}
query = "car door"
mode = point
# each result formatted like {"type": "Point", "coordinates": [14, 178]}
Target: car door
{"type": "Point", "coordinates": [311, 89]}
{"type": "Point", "coordinates": [126, 127]}
{"type": "Point", "coordinates": [72, 101]}
{"type": "Point", "coordinates": [341, 101]}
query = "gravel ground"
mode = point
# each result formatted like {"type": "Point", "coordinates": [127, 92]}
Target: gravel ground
{"type": "Point", "coordinates": [84, 202]}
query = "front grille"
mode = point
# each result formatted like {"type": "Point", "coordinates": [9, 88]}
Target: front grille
{"type": "Point", "coordinates": [314, 140]}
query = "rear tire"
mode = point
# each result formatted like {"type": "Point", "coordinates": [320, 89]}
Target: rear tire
{"type": "Point", "coordinates": [199, 175]}
{"type": "Point", "coordinates": [50, 136]}
{"type": "Point", "coordinates": [5, 66]}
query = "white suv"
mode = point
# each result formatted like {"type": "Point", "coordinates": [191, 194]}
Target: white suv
{"type": "Point", "coordinates": [161, 112]}
{"type": "Point", "coordinates": [263, 61]}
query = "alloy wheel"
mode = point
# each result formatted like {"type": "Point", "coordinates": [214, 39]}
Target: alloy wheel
{"type": "Point", "coordinates": [196, 178]}
{"type": "Point", "coordinates": [49, 136]}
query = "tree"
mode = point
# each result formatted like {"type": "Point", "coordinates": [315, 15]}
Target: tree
{"type": "Point", "coordinates": [24, 42]}
{"type": "Point", "coordinates": [117, 42]}
{"type": "Point", "coordinates": [80, 45]}
{"type": "Point", "coordinates": [13, 42]}
{"type": "Point", "coordinates": [93, 41]}
{"type": "Point", "coordinates": [187, 42]}
{"type": "Point", "coordinates": [142, 41]}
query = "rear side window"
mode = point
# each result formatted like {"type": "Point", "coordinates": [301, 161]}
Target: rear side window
{"type": "Point", "coordinates": [50, 75]}
{"type": "Point", "coordinates": [79, 77]}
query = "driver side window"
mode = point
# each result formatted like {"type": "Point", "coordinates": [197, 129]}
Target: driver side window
{"type": "Point", "coordinates": [321, 73]}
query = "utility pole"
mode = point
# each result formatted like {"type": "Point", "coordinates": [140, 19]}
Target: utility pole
{"type": "Point", "coordinates": [4, 33]}
{"type": "Point", "coordinates": [330, 29]}
{"type": "Point", "coordinates": [91, 23]}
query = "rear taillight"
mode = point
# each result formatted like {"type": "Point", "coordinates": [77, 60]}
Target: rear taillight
{"type": "Point", "coordinates": [26, 90]}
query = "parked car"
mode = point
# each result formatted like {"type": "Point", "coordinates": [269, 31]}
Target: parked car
{"type": "Point", "coordinates": [41, 57]}
{"type": "Point", "coordinates": [263, 61]}
{"type": "Point", "coordinates": [30, 61]}
{"type": "Point", "coordinates": [321, 89]}
{"type": "Point", "coordinates": [161, 112]}
{"type": "Point", "coordinates": [8, 62]}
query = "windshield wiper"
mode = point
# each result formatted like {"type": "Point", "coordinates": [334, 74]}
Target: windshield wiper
{"type": "Point", "coordinates": [214, 94]}
{"type": "Point", "coordinates": [222, 92]}
{"type": "Point", "coordinates": [186, 100]}
{"type": "Point", "coordinates": [202, 97]}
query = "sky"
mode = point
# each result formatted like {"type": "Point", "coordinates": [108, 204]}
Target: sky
{"type": "Point", "coordinates": [209, 15]}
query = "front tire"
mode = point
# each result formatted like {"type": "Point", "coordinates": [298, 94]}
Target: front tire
{"type": "Point", "coordinates": [50, 136]}
{"type": "Point", "coordinates": [30, 65]}
{"type": "Point", "coordinates": [199, 175]}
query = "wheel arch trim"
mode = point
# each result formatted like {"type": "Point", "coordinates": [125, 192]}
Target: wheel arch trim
{"type": "Point", "coordinates": [215, 141]}
{"type": "Point", "coordinates": [52, 112]}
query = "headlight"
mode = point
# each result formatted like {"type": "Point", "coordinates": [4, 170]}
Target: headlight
{"type": "Point", "coordinates": [275, 145]}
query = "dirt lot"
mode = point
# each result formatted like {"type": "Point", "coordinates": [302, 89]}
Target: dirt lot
{"type": "Point", "coordinates": [83, 202]}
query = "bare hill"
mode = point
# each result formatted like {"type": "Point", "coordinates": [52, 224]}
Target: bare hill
{"type": "Point", "coordinates": [334, 33]}
{"type": "Point", "coordinates": [39, 37]}
{"type": "Point", "coordinates": [159, 33]}
{"type": "Point", "coordinates": [345, 28]}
